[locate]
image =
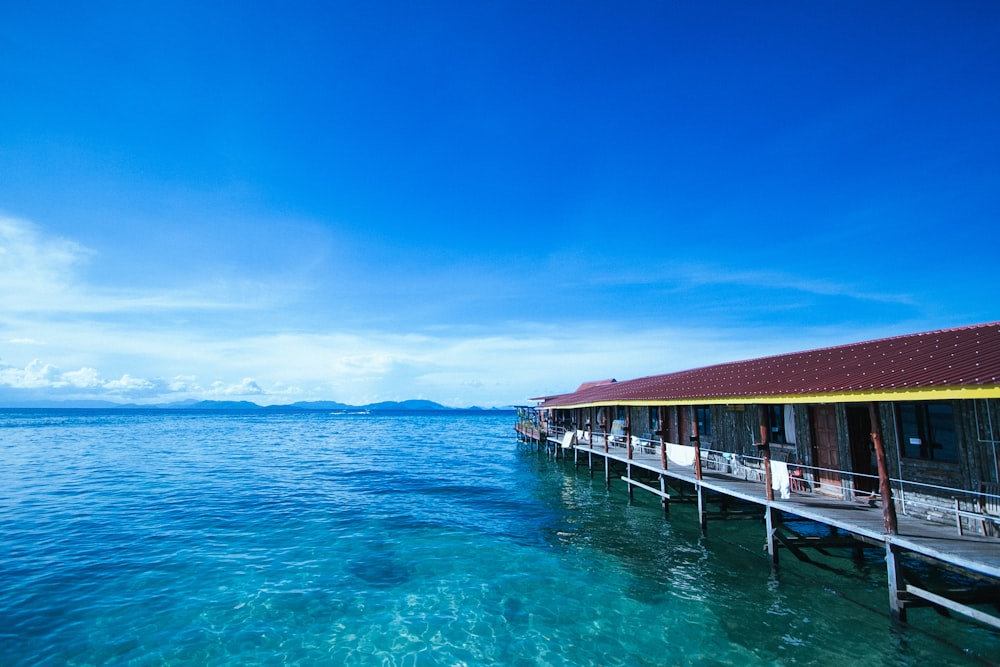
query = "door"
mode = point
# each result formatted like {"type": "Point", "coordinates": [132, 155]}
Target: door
{"type": "Point", "coordinates": [859, 432]}
{"type": "Point", "coordinates": [684, 425]}
{"type": "Point", "coordinates": [825, 451]}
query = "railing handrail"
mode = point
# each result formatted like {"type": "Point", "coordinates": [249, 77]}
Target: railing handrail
{"type": "Point", "coordinates": [619, 442]}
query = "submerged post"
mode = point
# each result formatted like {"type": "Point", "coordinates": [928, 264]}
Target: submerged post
{"type": "Point", "coordinates": [664, 498]}
{"type": "Point", "coordinates": [884, 486]}
{"type": "Point", "coordinates": [894, 571]}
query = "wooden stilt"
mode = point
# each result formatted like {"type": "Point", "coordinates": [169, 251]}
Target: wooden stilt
{"type": "Point", "coordinates": [663, 438]}
{"type": "Point", "coordinates": [665, 499]}
{"type": "Point", "coordinates": [628, 433]}
{"type": "Point", "coordinates": [702, 519]}
{"type": "Point", "coordinates": [696, 441]}
{"type": "Point", "coordinates": [896, 584]}
{"type": "Point", "coordinates": [884, 487]}
{"type": "Point", "coordinates": [772, 546]}
{"type": "Point", "coordinates": [765, 450]}
{"type": "Point", "coordinates": [631, 489]}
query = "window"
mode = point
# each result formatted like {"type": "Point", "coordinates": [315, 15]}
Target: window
{"type": "Point", "coordinates": [776, 418]}
{"type": "Point", "coordinates": [927, 431]}
{"type": "Point", "coordinates": [704, 416]}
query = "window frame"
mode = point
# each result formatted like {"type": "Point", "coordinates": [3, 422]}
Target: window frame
{"type": "Point", "coordinates": [924, 425]}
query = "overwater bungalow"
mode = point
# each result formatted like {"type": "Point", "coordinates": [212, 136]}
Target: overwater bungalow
{"type": "Point", "coordinates": [907, 426]}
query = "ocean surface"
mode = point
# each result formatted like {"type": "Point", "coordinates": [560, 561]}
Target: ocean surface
{"type": "Point", "coordinates": [309, 538]}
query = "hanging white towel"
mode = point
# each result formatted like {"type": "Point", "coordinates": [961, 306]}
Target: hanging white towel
{"type": "Point", "coordinates": [779, 478]}
{"type": "Point", "coordinates": [569, 439]}
{"type": "Point", "coordinates": [681, 455]}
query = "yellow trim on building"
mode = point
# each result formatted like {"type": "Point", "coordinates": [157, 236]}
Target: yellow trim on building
{"type": "Point", "coordinates": [914, 394]}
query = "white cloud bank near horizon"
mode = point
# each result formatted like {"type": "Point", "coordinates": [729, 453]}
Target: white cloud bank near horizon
{"type": "Point", "coordinates": [62, 338]}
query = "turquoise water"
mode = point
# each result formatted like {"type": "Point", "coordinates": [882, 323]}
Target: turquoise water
{"type": "Point", "coordinates": [162, 538]}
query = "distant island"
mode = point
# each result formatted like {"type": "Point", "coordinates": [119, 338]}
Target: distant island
{"type": "Point", "coordinates": [383, 406]}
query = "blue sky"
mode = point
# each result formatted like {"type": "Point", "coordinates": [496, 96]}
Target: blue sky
{"type": "Point", "coordinates": [479, 202]}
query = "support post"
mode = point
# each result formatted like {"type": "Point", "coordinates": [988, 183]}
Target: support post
{"type": "Point", "coordinates": [664, 499]}
{"type": "Point", "coordinates": [896, 584]}
{"type": "Point", "coordinates": [765, 451]}
{"type": "Point", "coordinates": [695, 441]}
{"type": "Point", "coordinates": [628, 433]}
{"type": "Point", "coordinates": [631, 489]}
{"type": "Point", "coordinates": [663, 439]}
{"type": "Point", "coordinates": [884, 486]}
{"type": "Point", "coordinates": [772, 545]}
{"type": "Point", "coordinates": [604, 428]}
{"type": "Point", "coordinates": [702, 518]}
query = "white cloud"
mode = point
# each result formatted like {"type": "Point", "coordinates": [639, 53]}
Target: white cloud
{"type": "Point", "coordinates": [172, 346]}
{"type": "Point", "coordinates": [36, 270]}
{"type": "Point", "coordinates": [680, 276]}
{"type": "Point", "coordinates": [248, 387]}
{"type": "Point", "coordinates": [86, 381]}
{"type": "Point", "coordinates": [25, 341]}
{"type": "Point", "coordinates": [128, 385]}
{"type": "Point", "coordinates": [83, 378]}
{"type": "Point", "coordinates": [40, 276]}
{"type": "Point", "coordinates": [458, 368]}
{"type": "Point", "coordinates": [34, 375]}
{"type": "Point", "coordinates": [183, 383]}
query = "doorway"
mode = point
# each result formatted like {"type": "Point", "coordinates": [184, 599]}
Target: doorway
{"type": "Point", "coordinates": [826, 454]}
{"type": "Point", "coordinates": [859, 432]}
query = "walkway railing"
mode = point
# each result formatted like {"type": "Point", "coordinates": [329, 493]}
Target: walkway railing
{"type": "Point", "coordinates": [929, 501]}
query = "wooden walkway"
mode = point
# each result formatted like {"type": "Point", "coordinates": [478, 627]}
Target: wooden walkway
{"type": "Point", "coordinates": [974, 556]}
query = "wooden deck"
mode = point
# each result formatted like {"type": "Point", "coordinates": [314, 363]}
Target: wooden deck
{"type": "Point", "coordinates": [940, 544]}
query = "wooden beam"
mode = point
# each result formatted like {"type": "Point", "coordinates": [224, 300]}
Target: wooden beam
{"type": "Point", "coordinates": [656, 492]}
{"type": "Point", "coordinates": [957, 607]}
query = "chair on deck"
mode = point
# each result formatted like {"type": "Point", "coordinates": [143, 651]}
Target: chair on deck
{"type": "Point", "coordinates": [796, 476]}
{"type": "Point", "coordinates": [989, 507]}
{"type": "Point", "coordinates": [617, 431]}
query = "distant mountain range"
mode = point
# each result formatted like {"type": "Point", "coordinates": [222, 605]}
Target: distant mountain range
{"type": "Point", "coordinates": [247, 405]}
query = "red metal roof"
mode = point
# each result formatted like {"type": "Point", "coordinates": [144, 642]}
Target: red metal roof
{"type": "Point", "coordinates": [595, 383]}
{"type": "Point", "coordinates": [950, 358]}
